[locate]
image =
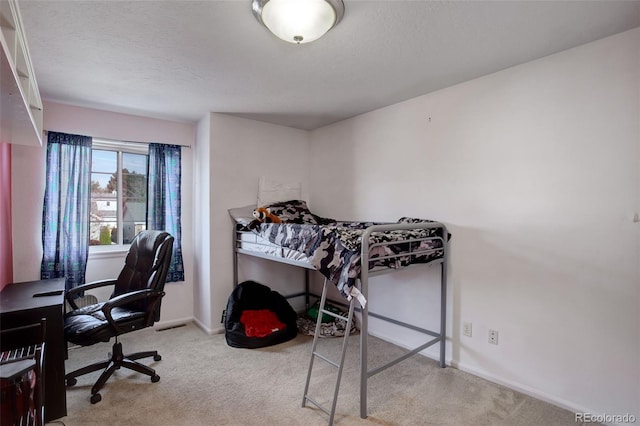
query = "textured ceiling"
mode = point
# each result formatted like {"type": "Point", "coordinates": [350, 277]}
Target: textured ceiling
{"type": "Point", "coordinates": [181, 59]}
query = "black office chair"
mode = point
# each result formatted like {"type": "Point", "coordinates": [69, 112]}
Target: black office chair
{"type": "Point", "coordinates": [134, 304]}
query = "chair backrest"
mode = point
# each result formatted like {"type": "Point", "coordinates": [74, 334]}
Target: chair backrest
{"type": "Point", "coordinates": [146, 266]}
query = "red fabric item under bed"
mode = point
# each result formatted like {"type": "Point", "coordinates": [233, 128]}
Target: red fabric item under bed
{"type": "Point", "coordinates": [260, 322]}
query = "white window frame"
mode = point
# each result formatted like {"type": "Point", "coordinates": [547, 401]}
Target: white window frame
{"type": "Point", "coordinates": [116, 250]}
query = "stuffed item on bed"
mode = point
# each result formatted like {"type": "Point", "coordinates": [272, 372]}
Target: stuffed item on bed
{"type": "Point", "coordinates": [257, 317]}
{"type": "Point", "coordinates": [264, 215]}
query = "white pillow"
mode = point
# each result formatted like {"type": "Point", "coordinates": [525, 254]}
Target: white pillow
{"type": "Point", "coordinates": [272, 191]}
{"type": "Point", "coordinates": [242, 215]}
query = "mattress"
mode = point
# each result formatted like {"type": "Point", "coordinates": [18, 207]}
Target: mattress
{"type": "Point", "coordinates": [254, 243]}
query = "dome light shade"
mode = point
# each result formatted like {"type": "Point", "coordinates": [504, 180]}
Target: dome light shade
{"type": "Point", "coordinates": [298, 21]}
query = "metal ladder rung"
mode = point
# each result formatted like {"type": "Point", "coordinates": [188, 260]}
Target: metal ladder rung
{"type": "Point", "coordinates": [325, 359]}
{"type": "Point", "coordinates": [324, 311]}
{"type": "Point", "coordinates": [317, 404]}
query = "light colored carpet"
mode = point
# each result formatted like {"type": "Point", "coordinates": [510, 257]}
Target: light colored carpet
{"type": "Point", "coordinates": [205, 382]}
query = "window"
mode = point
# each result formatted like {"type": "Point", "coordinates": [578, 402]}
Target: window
{"type": "Point", "coordinates": [118, 192]}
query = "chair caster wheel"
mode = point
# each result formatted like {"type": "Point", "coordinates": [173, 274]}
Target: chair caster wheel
{"type": "Point", "coordinates": [95, 398]}
{"type": "Point", "coordinates": [70, 381]}
{"type": "Point", "coordinates": [155, 378]}
{"type": "Point", "coordinates": [157, 358]}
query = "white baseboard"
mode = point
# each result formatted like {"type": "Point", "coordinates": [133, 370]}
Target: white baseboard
{"type": "Point", "coordinates": [209, 331]}
{"type": "Point", "coordinates": [519, 387]}
{"type": "Point", "coordinates": [162, 325]}
{"type": "Point", "coordinates": [532, 392]}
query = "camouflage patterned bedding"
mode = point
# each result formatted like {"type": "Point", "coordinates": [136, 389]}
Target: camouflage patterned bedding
{"type": "Point", "coordinates": [333, 247]}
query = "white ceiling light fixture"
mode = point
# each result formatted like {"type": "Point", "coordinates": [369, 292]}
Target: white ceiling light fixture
{"type": "Point", "coordinates": [298, 21]}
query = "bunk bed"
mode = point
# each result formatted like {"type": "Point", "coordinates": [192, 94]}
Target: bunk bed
{"type": "Point", "coordinates": [346, 253]}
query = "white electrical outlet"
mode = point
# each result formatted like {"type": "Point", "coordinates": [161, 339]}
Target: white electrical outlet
{"type": "Point", "coordinates": [493, 337]}
{"type": "Point", "coordinates": [466, 329]}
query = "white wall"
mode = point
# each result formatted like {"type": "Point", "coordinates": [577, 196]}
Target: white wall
{"type": "Point", "coordinates": [202, 221]}
{"type": "Point", "coordinates": [29, 167]}
{"type": "Point", "coordinates": [241, 151]}
{"type": "Point", "coordinates": [27, 181]}
{"type": "Point", "coordinates": [535, 170]}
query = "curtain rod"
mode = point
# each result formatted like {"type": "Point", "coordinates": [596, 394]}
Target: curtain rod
{"type": "Point", "coordinates": [138, 142]}
{"type": "Point", "coordinates": [125, 141]}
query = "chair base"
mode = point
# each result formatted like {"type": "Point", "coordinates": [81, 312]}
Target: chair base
{"type": "Point", "coordinates": [117, 360]}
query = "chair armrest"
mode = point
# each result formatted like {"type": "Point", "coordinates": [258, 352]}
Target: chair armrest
{"type": "Point", "coordinates": [71, 294]}
{"type": "Point", "coordinates": [152, 295]}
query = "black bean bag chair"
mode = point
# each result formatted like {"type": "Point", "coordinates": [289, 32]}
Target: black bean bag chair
{"type": "Point", "coordinates": [257, 316]}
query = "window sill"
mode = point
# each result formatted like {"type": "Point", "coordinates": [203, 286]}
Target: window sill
{"type": "Point", "coordinates": [108, 252]}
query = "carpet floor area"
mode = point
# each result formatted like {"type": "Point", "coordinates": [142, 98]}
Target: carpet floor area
{"type": "Point", "coordinates": [206, 382]}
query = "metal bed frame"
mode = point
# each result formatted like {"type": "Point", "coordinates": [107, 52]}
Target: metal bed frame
{"type": "Point", "coordinates": [365, 274]}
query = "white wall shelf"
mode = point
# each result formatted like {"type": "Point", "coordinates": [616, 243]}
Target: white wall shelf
{"type": "Point", "coordinates": [20, 102]}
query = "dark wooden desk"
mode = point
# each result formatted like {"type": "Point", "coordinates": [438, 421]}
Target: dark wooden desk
{"type": "Point", "coordinates": [19, 307]}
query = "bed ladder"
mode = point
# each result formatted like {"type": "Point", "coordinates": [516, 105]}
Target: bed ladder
{"type": "Point", "coordinates": [314, 353]}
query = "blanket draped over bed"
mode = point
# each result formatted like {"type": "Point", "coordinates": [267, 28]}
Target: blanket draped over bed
{"type": "Point", "coordinates": [334, 247]}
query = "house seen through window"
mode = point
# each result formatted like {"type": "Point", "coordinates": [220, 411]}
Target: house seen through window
{"type": "Point", "coordinates": [118, 192]}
